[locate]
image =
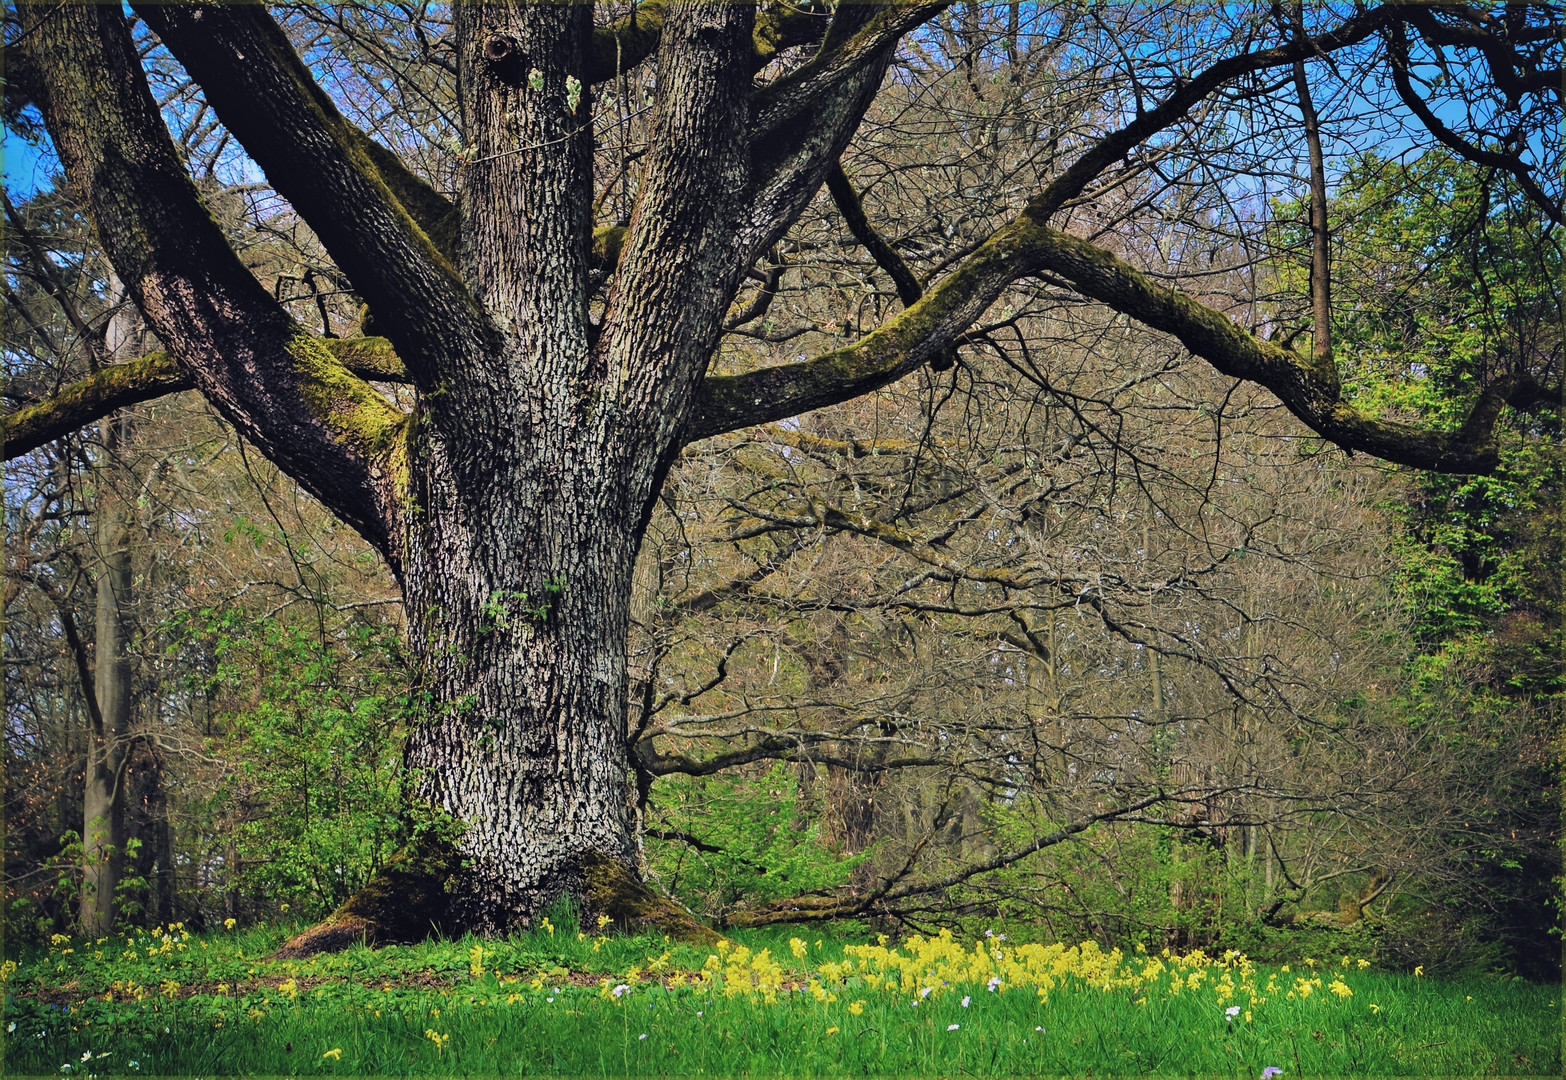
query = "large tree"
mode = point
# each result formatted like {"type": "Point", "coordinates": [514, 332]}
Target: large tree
{"type": "Point", "coordinates": [558, 366]}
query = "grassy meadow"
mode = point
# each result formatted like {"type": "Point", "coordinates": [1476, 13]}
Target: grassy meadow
{"type": "Point", "coordinates": [797, 1003]}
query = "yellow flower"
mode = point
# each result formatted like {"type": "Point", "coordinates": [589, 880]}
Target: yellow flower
{"type": "Point", "coordinates": [1247, 1016]}
{"type": "Point", "coordinates": [437, 1038]}
{"type": "Point", "coordinates": [229, 924]}
{"type": "Point", "coordinates": [603, 921]}
{"type": "Point", "coordinates": [1374, 1008]}
{"type": "Point", "coordinates": [1363, 964]}
{"type": "Point", "coordinates": [796, 947]}
{"type": "Point", "coordinates": [1419, 971]}
{"type": "Point", "coordinates": [831, 1031]}
{"type": "Point", "coordinates": [283, 908]}
{"type": "Point", "coordinates": [856, 1008]}
{"type": "Point", "coordinates": [334, 1054]}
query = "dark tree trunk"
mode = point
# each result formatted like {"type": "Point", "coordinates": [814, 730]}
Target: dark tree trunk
{"type": "Point", "coordinates": [103, 802]}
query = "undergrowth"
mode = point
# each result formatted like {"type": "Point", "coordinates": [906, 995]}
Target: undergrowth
{"type": "Point", "coordinates": [761, 1004]}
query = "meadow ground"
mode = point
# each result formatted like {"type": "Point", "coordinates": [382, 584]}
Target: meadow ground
{"type": "Point", "coordinates": [785, 1004]}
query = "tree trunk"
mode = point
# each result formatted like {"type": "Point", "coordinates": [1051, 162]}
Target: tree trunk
{"type": "Point", "coordinates": [520, 623]}
{"type": "Point", "coordinates": [103, 803]}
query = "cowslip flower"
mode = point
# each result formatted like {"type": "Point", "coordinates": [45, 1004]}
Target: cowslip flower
{"type": "Point", "coordinates": [334, 1054]}
{"type": "Point", "coordinates": [856, 1008]}
{"type": "Point", "coordinates": [832, 1031]}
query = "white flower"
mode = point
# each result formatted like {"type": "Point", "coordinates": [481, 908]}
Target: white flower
{"type": "Point", "coordinates": [953, 1027]}
{"type": "Point", "coordinates": [621, 990]}
{"type": "Point", "coordinates": [11, 1026]}
{"type": "Point", "coordinates": [1039, 1030]}
{"type": "Point", "coordinates": [925, 992]}
{"type": "Point", "coordinates": [641, 1036]}
{"type": "Point", "coordinates": [86, 1055]}
{"type": "Point", "coordinates": [550, 1000]}
{"type": "Point", "coordinates": [989, 933]}
{"type": "Point", "coordinates": [1232, 1011]}
{"type": "Point", "coordinates": [965, 1001]}
{"type": "Point", "coordinates": [994, 983]}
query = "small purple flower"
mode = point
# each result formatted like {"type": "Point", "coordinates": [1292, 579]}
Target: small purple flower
{"type": "Point", "coordinates": [621, 990]}
{"type": "Point", "coordinates": [965, 1002]}
{"type": "Point", "coordinates": [1270, 1071]}
{"type": "Point", "coordinates": [994, 983]}
{"type": "Point", "coordinates": [989, 933]}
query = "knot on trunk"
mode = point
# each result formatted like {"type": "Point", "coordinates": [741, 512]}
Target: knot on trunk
{"type": "Point", "coordinates": [504, 58]}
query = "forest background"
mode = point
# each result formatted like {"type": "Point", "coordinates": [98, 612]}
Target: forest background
{"type": "Point", "coordinates": [881, 649]}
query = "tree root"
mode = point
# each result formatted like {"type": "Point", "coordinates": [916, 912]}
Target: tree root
{"type": "Point", "coordinates": [406, 903]}
{"type": "Point", "coordinates": [610, 890]}
{"type": "Point", "coordinates": [402, 904]}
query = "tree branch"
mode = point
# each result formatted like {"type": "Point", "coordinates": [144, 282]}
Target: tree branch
{"type": "Point", "coordinates": [153, 376]}
{"type": "Point", "coordinates": [265, 95]}
{"type": "Point", "coordinates": [1397, 49]}
{"type": "Point", "coordinates": [817, 909]}
{"type": "Point", "coordinates": [801, 123]}
{"type": "Point", "coordinates": [628, 41]}
{"type": "Point", "coordinates": [276, 383]}
{"type": "Point", "coordinates": [1309, 388]}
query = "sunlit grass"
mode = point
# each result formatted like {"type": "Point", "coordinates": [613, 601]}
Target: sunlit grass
{"type": "Point", "coordinates": [763, 1004]}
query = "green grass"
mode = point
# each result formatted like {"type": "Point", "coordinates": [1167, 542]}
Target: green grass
{"type": "Point", "coordinates": [216, 1006]}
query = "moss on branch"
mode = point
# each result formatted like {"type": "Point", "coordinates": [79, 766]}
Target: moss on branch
{"type": "Point", "coordinates": [158, 374]}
